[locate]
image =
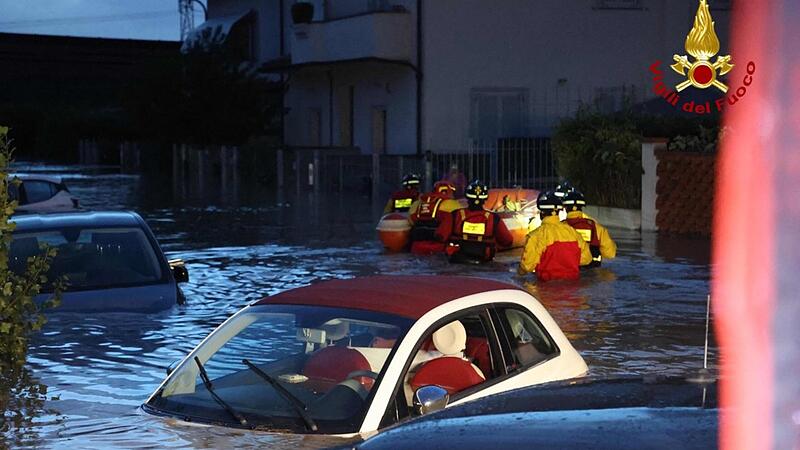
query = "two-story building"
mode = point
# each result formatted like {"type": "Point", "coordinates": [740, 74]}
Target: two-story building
{"type": "Point", "coordinates": [407, 76]}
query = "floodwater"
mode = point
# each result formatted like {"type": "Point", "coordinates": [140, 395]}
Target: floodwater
{"type": "Point", "coordinates": [641, 313]}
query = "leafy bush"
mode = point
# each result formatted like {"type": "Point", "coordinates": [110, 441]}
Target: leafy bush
{"type": "Point", "coordinates": [705, 140]}
{"type": "Point", "coordinates": [20, 315]}
{"type": "Point", "coordinates": [602, 156]}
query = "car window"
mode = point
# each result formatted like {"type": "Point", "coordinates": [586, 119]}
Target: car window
{"type": "Point", "coordinates": [91, 258]}
{"type": "Point", "coordinates": [13, 192]}
{"type": "Point", "coordinates": [526, 341]}
{"type": "Point", "coordinates": [311, 352]}
{"type": "Point", "coordinates": [38, 191]}
{"type": "Point", "coordinates": [457, 356]}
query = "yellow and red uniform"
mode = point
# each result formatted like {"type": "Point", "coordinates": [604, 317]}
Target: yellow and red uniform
{"type": "Point", "coordinates": [473, 234]}
{"type": "Point", "coordinates": [401, 201]}
{"type": "Point", "coordinates": [600, 243]}
{"type": "Point", "coordinates": [425, 216]}
{"type": "Point", "coordinates": [555, 251]}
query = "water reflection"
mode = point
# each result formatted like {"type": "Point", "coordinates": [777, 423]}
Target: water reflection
{"type": "Point", "coordinates": [641, 313]}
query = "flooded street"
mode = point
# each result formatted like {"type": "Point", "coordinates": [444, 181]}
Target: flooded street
{"type": "Point", "coordinates": [643, 312]}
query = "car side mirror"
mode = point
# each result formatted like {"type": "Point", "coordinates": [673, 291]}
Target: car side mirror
{"type": "Point", "coordinates": [179, 270]}
{"type": "Point", "coordinates": [171, 367]}
{"type": "Point", "coordinates": [430, 398]}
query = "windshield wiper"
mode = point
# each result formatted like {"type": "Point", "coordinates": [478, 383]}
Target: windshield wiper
{"type": "Point", "coordinates": [217, 398]}
{"type": "Point", "coordinates": [298, 405]}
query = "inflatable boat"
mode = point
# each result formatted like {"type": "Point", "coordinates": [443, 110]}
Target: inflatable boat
{"type": "Point", "coordinates": [517, 208]}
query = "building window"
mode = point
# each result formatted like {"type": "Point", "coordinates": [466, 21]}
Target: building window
{"type": "Point", "coordinates": [498, 113]}
{"type": "Point", "coordinates": [379, 129]}
{"type": "Point", "coordinates": [618, 4]}
{"type": "Point", "coordinates": [314, 127]}
{"type": "Point", "coordinates": [346, 113]}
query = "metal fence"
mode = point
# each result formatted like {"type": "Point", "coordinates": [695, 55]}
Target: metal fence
{"type": "Point", "coordinates": [522, 162]}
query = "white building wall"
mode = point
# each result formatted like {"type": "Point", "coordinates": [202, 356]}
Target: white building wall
{"type": "Point", "coordinates": [374, 85]}
{"type": "Point", "coordinates": [559, 52]}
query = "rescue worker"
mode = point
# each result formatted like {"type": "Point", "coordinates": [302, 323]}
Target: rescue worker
{"type": "Point", "coordinates": [554, 251]}
{"type": "Point", "coordinates": [472, 234]}
{"type": "Point", "coordinates": [401, 200]}
{"type": "Point", "coordinates": [600, 243]}
{"type": "Point", "coordinates": [425, 215]}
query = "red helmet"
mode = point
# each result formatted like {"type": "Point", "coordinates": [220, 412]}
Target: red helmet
{"type": "Point", "coordinates": [443, 187]}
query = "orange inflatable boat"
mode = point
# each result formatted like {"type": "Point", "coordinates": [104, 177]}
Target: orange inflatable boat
{"type": "Point", "coordinates": [394, 231]}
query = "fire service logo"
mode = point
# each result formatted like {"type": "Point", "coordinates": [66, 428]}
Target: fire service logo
{"type": "Point", "coordinates": [702, 44]}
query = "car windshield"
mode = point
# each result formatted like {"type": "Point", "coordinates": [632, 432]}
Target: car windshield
{"type": "Point", "coordinates": [324, 361]}
{"type": "Point", "coordinates": [91, 258]}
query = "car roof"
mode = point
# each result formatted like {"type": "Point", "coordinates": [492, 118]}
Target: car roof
{"type": "Point", "coordinates": [36, 177]}
{"type": "Point", "coordinates": [33, 222]}
{"type": "Point", "coordinates": [402, 295]}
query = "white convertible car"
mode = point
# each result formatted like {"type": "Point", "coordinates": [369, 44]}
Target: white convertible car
{"type": "Point", "coordinates": [353, 356]}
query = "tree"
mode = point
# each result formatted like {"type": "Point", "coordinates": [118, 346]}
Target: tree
{"type": "Point", "coordinates": [207, 95]}
{"type": "Point", "coordinates": [20, 395]}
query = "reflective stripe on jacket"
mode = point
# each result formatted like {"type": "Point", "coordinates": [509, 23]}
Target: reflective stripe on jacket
{"type": "Point", "coordinates": [401, 201]}
{"type": "Point", "coordinates": [603, 246]}
{"type": "Point", "coordinates": [475, 231]}
{"type": "Point", "coordinates": [554, 251]}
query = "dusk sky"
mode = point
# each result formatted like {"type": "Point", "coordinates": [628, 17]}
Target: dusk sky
{"type": "Point", "coordinates": [129, 19]}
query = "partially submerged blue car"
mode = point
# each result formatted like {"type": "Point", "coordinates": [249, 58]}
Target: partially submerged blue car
{"type": "Point", "coordinates": [111, 261]}
{"type": "Point", "coordinates": [622, 413]}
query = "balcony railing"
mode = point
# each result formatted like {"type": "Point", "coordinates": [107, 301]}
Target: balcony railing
{"type": "Point", "coordinates": [382, 34]}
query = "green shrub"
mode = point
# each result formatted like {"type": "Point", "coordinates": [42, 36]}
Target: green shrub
{"type": "Point", "coordinates": [704, 140]}
{"type": "Point", "coordinates": [20, 395]}
{"type": "Point", "coordinates": [602, 156]}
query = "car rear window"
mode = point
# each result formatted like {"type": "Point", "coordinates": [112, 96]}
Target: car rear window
{"type": "Point", "coordinates": [38, 191]}
{"type": "Point", "coordinates": [91, 258]}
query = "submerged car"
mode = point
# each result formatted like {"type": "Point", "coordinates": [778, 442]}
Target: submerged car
{"type": "Point", "coordinates": [344, 357]}
{"type": "Point", "coordinates": [622, 413]}
{"type": "Point", "coordinates": [110, 261]}
{"type": "Point", "coordinates": [41, 193]}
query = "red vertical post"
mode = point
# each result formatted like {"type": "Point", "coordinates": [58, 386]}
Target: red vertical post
{"type": "Point", "coordinates": [755, 287]}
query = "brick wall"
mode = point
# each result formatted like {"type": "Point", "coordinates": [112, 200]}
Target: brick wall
{"type": "Point", "coordinates": [685, 192]}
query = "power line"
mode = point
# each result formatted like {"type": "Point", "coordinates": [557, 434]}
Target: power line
{"type": "Point", "coordinates": [87, 19]}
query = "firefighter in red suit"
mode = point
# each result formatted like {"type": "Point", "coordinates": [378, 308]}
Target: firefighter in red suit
{"type": "Point", "coordinates": [401, 200]}
{"type": "Point", "coordinates": [554, 251]}
{"type": "Point", "coordinates": [426, 214]}
{"type": "Point", "coordinates": [472, 234]}
{"type": "Point", "coordinates": [600, 243]}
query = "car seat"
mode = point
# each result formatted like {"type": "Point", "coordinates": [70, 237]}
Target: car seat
{"type": "Point", "coordinates": [331, 365]}
{"type": "Point", "coordinates": [451, 371]}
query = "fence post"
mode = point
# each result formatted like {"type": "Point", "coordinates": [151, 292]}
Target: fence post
{"type": "Point", "coordinates": [315, 173]}
{"type": "Point", "coordinates": [279, 167]}
{"type": "Point", "coordinates": [376, 175]}
{"type": "Point", "coordinates": [341, 173]}
{"type": "Point", "coordinates": [428, 171]}
{"type": "Point", "coordinates": [649, 181]}
{"type": "Point", "coordinates": [298, 169]}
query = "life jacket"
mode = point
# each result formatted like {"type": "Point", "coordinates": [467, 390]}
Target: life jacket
{"type": "Point", "coordinates": [588, 231]}
{"type": "Point", "coordinates": [402, 200]}
{"type": "Point", "coordinates": [473, 235]}
{"type": "Point", "coordinates": [424, 218]}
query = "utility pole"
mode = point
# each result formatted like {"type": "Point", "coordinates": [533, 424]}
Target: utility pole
{"type": "Point", "coordinates": [186, 10]}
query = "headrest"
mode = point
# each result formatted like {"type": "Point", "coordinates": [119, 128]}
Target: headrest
{"type": "Point", "coordinates": [335, 329]}
{"type": "Point", "coordinates": [451, 339]}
